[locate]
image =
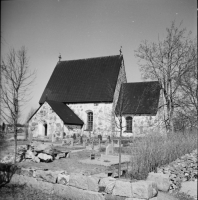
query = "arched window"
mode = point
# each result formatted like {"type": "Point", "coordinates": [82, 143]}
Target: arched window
{"type": "Point", "coordinates": [90, 121]}
{"type": "Point", "coordinates": [129, 124]}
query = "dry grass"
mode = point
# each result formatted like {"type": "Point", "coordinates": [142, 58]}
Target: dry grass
{"type": "Point", "coordinates": [19, 192]}
{"type": "Point", "coordinates": [155, 151]}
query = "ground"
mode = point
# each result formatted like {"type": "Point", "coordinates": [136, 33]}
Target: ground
{"type": "Point", "coordinates": [68, 164]}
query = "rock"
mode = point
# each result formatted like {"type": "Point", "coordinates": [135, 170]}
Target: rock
{"type": "Point", "coordinates": [112, 197]}
{"type": "Point", "coordinates": [8, 159]}
{"type": "Point", "coordinates": [49, 150]}
{"type": "Point", "coordinates": [48, 176]}
{"type": "Point", "coordinates": [107, 184]}
{"type": "Point", "coordinates": [93, 183]}
{"type": "Point", "coordinates": [63, 179]}
{"type": "Point", "coordinates": [45, 157]}
{"type": "Point", "coordinates": [45, 148]}
{"type": "Point", "coordinates": [60, 155]}
{"type": "Point", "coordinates": [162, 181]}
{"type": "Point", "coordinates": [144, 189]}
{"type": "Point", "coordinates": [36, 159]}
{"type": "Point", "coordinates": [154, 198]}
{"type": "Point", "coordinates": [32, 182]}
{"type": "Point", "coordinates": [190, 188]}
{"type": "Point", "coordinates": [122, 189]}
{"type": "Point", "coordinates": [75, 193]}
{"type": "Point", "coordinates": [79, 181]}
{"type": "Point", "coordinates": [27, 172]}
{"type": "Point", "coordinates": [29, 155]}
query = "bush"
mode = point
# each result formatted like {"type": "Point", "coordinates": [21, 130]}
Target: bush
{"type": "Point", "coordinates": [74, 136]}
{"type": "Point", "coordinates": [154, 151]}
{"type": "Point", "coordinates": [102, 149]}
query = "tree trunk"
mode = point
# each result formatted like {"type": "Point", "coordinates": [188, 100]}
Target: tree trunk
{"type": "Point", "coordinates": [119, 169]}
{"type": "Point", "coordinates": [15, 141]}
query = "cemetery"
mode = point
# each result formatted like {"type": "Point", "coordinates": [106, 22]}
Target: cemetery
{"type": "Point", "coordinates": [89, 166]}
{"type": "Point", "coordinates": [89, 151]}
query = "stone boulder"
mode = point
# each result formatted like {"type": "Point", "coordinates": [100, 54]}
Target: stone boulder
{"type": "Point", "coordinates": [190, 188]}
{"type": "Point", "coordinates": [112, 197]}
{"type": "Point", "coordinates": [75, 193]}
{"type": "Point", "coordinates": [144, 189]}
{"type": "Point", "coordinates": [44, 148]}
{"type": "Point", "coordinates": [60, 155]}
{"type": "Point", "coordinates": [44, 157]}
{"type": "Point", "coordinates": [122, 189]}
{"type": "Point", "coordinates": [36, 159]}
{"type": "Point", "coordinates": [63, 179]}
{"type": "Point", "coordinates": [139, 190]}
{"type": "Point", "coordinates": [32, 183]}
{"type": "Point", "coordinates": [84, 182]}
{"type": "Point", "coordinates": [8, 159]}
{"type": "Point", "coordinates": [27, 172]}
{"type": "Point", "coordinates": [78, 181]}
{"type": "Point", "coordinates": [29, 155]}
{"type": "Point", "coordinates": [48, 176]}
{"type": "Point", "coordinates": [93, 183]}
{"type": "Point", "coordinates": [154, 198]}
{"type": "Point", "coordinates": [162, 180]}
{"type": "Point", "coordinates": [107, 184]}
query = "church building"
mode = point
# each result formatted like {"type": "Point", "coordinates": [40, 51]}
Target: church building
{"type": "Point", "coordinates": [90, 96]}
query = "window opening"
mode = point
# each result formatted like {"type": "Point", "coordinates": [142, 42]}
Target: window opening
{"type": "Point", "coordinates": [129, 124]}
{"type": "Point", "coordinates": [45, 125]}
{"type": "Point", "coordinates": [90, 120]}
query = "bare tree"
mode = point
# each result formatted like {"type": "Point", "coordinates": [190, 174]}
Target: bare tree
{"type": "Point", "coordinates": [30, 113]}
{"type": "Point", "coordinates": [167, 61]}
{"type": "Point", "coordinates": [17, 79]}
{"type": "Point", "coordinates": [188, 92]}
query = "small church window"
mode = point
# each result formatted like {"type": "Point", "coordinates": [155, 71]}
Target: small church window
{"type": "Point", "coordinates": [90, 120]}
{"type": "Point", "coordinates": [129, 124]}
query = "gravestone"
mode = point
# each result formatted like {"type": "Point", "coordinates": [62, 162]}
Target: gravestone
{"type": "Point", "coordinates": [92, 156]}
{"type": "Point", "coordinates": [84, 143]}
{"type": "Point", "coordinates": [116, 142]}
{"type": "Point", "coordinates": [109, 139]}
{"type": "Point", "coordinates": [53, 138]}
{"type": "Point", "coordinates": [72, 142]}
{"type": "Point", "coordinates": [30, 136]}
{"type": "Point", "coordinates": [81, 140]}
{"type": "Point", "coordinates": [109, 149]}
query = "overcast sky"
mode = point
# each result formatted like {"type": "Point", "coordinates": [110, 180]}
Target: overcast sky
{"type": "Point", "coordinates": [87, 28]}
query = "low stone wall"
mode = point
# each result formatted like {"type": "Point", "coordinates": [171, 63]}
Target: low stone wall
{"type": "Point", "coordinates": [181, 170]}
{"type": "Point", "coordinates": [78, 186]}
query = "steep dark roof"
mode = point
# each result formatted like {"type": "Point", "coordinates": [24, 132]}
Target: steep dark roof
{"type": "Point", "coordinates": [85, 80]}
{"type": "Point", "coordinates": [139, 98]}
{"type": "Point", "coordinates": [65, 113]}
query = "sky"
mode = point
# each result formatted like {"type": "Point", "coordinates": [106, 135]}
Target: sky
{"type": "Point", "coordinates": [79, 29]}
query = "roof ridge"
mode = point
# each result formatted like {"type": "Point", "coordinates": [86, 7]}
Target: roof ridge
{"type": "Point", "coordinates": [142, 82]}
{"type": "Point", "coordinates": [89, 58]}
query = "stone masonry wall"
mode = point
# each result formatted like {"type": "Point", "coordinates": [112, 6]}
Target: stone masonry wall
{"type": "Point", "coordinates": [78, 186]}
{"type": "Point", "coordinates": [101, 116]}
{"type": "Point", "coordinates": [142, 125]}
{"type": "Point", "coordinates": [45, 115]}
{"type": "Point", "coordinates": [181, 170]}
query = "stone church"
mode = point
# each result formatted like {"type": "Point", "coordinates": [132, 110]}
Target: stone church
{"type": "Point", "coordinates": [91, 96]}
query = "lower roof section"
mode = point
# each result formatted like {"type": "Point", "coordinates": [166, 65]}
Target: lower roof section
{"type": "Point", "coordinates": [138, 98]}
{"type": "Point", "coordinates": [65, 113]}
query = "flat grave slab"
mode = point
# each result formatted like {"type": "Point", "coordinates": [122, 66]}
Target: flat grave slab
{"type": "Point", "coordinates": [107, 160]}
